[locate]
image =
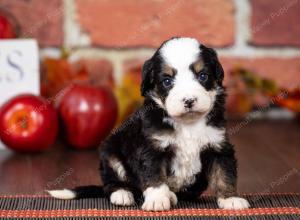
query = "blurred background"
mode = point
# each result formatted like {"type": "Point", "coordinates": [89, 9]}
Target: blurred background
{"type": "Point", "coordinates": [103, 44]}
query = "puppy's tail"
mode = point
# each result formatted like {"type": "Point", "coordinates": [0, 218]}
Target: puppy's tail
{"type": "Point", "coordinates": [78, 192]}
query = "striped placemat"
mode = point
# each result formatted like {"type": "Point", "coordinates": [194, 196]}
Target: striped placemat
{"type": "Point", "coordinates": [263, 206]}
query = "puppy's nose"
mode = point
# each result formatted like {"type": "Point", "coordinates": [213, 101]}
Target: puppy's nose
{"type": "Point", "coordinates": [188, 103]}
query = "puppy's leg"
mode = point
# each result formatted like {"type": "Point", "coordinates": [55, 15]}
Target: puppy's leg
{"type": "Point", "coordinates": [115, 180]}
{"type": "Point", "coordinates": [223, 178]}
{"type": "Point", "coordinates": [157, 195]}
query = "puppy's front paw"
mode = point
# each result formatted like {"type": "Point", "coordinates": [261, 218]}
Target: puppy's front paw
{"type": "Point", "coordinates": [233, 203]}
{"type": "Point", "coordinates": [122, 197]}
{"type": "Point", "coordinates": [157, 203]}
{"type": "Point", "coordinates": [159, 198]}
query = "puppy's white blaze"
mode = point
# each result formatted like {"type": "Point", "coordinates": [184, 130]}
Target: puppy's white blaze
{"type": "Point", "coordinates": [158, 198]}
{"type": "Point", "coordinates": [233, 203]}
{"type": "Point", "coordinates": [122, 197]}
{"type": "Point", "coordinates": [180, 52]}
{"type": "Point", "coordinates": [62, 194]}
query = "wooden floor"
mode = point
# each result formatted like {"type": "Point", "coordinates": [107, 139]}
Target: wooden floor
{"type": "Point", "coordinates": [268, 153]}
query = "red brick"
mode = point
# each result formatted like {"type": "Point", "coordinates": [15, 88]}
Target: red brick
{"type": "Point", "coordinates": [275, 22]}
{"type": "Point", "coordinates": [285, 72]}
{"type": "Point", "coordinates": [131, 23]}
{"type": "Point", "coordinates": [38, 19]}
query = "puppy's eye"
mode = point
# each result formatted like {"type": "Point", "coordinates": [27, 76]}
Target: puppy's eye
{"type": "Point", "coordinates": [167, 82]}
{"type": "Point", "coordinates": [202, 77]}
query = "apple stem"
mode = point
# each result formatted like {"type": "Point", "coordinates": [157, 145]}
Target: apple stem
{"type": "Point", "coordinates": [23, 122]}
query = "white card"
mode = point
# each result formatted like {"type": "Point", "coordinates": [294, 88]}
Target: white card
{"type": "Point", "coordinates": [19, 68]}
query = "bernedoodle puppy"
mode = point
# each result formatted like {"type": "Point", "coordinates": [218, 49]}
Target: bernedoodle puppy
{"type": "Point", "coordinates": [175, 145]}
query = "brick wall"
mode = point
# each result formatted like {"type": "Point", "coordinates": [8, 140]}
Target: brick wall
{"type": "Point", "coordinates": [261, 35]}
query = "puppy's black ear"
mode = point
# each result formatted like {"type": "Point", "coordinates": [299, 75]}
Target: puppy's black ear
{"type": "Point", "coordinates": [147, 77]}
{"type": "Point", "coordinates": [210, 57]}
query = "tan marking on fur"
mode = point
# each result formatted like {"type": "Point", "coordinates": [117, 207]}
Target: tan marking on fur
{"type": "Point", "coordinates": [219, 183]}
{"type": "Point", "coordinates": [169, 70]}
{"type": "Point", "coordinates": [118, 167]}
{"type": "Point", "coordinates": [158, 140]}
{"type": "Point", "coordinates": [198, 65]}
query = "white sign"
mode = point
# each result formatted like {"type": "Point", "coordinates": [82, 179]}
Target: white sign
{"type": "Point", "coordinates": [19, 68]}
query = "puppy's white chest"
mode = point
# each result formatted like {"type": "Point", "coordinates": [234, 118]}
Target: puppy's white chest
{"type": "Point", "coordinates": [188, 141]}
{"type": "Point", "coordinates": [186, 162]}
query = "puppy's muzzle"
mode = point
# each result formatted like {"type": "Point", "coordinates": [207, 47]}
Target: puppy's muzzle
{"type": "Point", "coordinates": [189, 102]}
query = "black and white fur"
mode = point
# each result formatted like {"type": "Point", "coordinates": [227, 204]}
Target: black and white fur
{"type": "Point", "coordinates": [175, 145]}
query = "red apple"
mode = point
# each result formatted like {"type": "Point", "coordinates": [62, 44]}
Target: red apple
{"type": "Point", "coordinates": [88, 114]}
{"type": "Point", "coordinates": [28, 123]}
{"type": "Point", "coordinates": [7, 29]}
